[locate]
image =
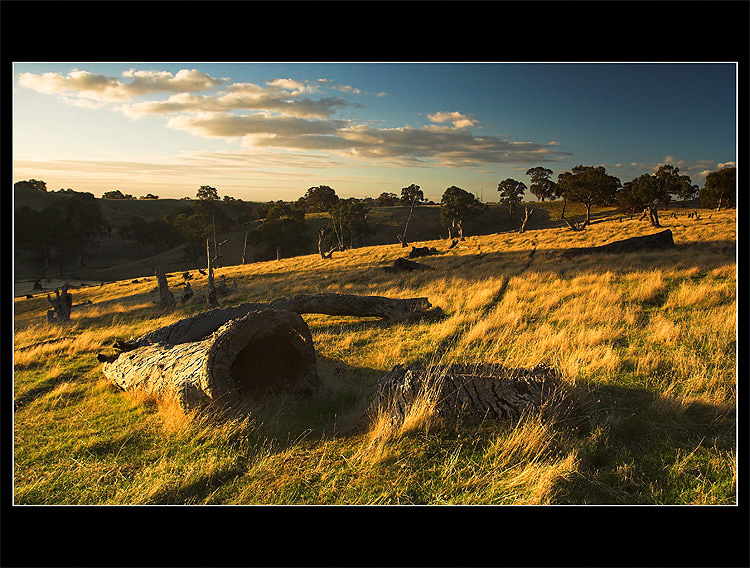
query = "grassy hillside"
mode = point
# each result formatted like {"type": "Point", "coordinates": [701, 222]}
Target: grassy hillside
{"type": "Point", "coordinates": [646, 342]}
{"type": "Point", "coordinates": [116, 258]}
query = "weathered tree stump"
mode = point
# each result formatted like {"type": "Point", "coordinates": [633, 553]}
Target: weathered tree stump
{"type": "Point", "coordinates": [62, 304]}
{"type": "Point", "coordinates": [201, 325]}
{"type": "Point", "coordinates": [261, 353]}
{"type": "Point", "coordinates": [166, 297]}
{"type": "Point", "coordinates": [656, 241]}
{"type": "Point", "coordinates": [478, 390]}
{"type": "Point", "coordinates": [187, 293]}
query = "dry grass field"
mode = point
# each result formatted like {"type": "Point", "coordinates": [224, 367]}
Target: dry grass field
{"type": "Point", "coordinates": [645, 341]}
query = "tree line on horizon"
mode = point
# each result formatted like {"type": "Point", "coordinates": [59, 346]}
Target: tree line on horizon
{"type": "Point", "coordinates": [71, 225]}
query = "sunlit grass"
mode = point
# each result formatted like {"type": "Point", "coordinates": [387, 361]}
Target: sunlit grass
{"type": "Point", "coordinates": [648, 339]}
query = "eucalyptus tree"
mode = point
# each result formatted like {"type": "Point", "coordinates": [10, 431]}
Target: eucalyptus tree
{"type": "Point", "coordinates": [410, 195]}
{"type": "Point", "coordinates": [719, 189]}
{"type": "Point", "coordinates": [589, 186]}
{"type": "Point", "coordinates": [669, 182]}
{"type": "Point", "coordinates": [456, 206]}
{"type": "Point", "coordinates": [541, 184]}
{"type": "Point", "coordinates": [511, 193]}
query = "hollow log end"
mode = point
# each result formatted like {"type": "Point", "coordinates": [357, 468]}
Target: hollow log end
{"type": "Point", "coordinates": [263, 353]}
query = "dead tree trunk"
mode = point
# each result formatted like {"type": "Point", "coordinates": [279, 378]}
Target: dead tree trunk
{"type": "Point", "coordinates": [478, 391]}
{"type": "Point", "coordinates": [402, 238]}
{"type": "Point", "coordinates": [61, 305]}
{"type": "Point", "coordinates": [324, 255]}
{"type": "Point", "coordinates": [166, 298]}
{"type": "Point", "coordinates": [525, 219]}
{"type": "Point", "coordinates": [201, 325]}
{"type": "Point", "coordinates": [244, 248]}
{"type": "Point", "coordinates": [262, 353]}
{"type": "Point", "coordinates": [656, 241]}
{"type": "Point", "coordinates": [210, 290]}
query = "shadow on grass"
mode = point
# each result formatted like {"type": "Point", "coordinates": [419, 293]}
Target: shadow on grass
{"type": "Point", "coordinates": [640, 447]}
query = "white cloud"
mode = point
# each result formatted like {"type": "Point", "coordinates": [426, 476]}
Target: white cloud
{"type": "Point", "coordinates": [727, 165]}
{"type": "Point", "coordinates": [83, 84]}
{"type": "Point", "coordinates": [295, 87]}
{"type": "Point", "coordinates": [456, 118]}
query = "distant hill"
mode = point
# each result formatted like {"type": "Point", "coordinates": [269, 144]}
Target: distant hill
{"type": "Point", "coordinates": [117, 258]}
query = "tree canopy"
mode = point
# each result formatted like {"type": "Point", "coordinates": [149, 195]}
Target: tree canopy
{"type": "Point", "coordinates": [541, 184]}
{"type": "Point", "coordinates": [283, 232]}
{"type": "Point", "coordinates": [412, 195]}
{"type": "Point", "coordinates": [670, 182]}
{"type": "Point", "coordinates": [511, 193]}
{"type": "Point", "coordinates": [349, 224]}
{"type": "Point", "coordinates": [35, 184]}
{"type": "Point", "coordinates": [589, 185]}
{"type": "Point", "coordinates": [207, 193]}
{"type": "Point", "coordinates": [386, 199]}
{"type": "Point", "coordinates": [320, 198]}
{"type": "Point", "coordinates": [456, 206]}
{"type": "Point", "coordinates": [720, 188]}
{"type": "Point", "coordinates": [116, 194]}
{"type": "Point", "coordinates": [196, 222]}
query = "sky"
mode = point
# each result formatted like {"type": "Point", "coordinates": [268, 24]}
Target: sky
{"type": "Point", "coordinates": [268, 131]}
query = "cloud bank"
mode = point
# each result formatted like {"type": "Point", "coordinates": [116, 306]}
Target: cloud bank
{"type": "Point", "coordinates": [287, 114]}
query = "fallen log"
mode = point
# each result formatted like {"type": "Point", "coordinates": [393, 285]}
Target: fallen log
{"type": "Point", "coordinates": [416, 252]}
{"type": "Point", "coordinates": [201, 325]}
{"type": "Point", "coordinates": [401, 264]}
{"type": "Point", "coordinates": [259, 354]}
{"type": "Point", "coordinates": [478, 390]}
{"type": "Point", "coordinates": [655, 241]}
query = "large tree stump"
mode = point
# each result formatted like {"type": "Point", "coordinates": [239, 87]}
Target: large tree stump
{"type": "Point", "coordinates": [478, 390]}
{"type": "Point", "coordinates": [656, 241]}
{"type": "Point", "coordinates": [264, 352]}
{"type": "Point", "coordinates": [201, 325]}
{"type": "Point", "coordinates": [166, 297]}
{"type": "Point", "coordinates": [62, 304]}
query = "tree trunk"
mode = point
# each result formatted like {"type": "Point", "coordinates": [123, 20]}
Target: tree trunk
{"type": "Point", "coordinates": [588, 215]}
{"type": "Point", "coordinates": [210, 290]}
{"type": "Point", "coordinates": [478, 391]}
{"type": "Point", "coordinates": [262, 353]}
{"type": "Point", "coordinates": [166, 298]}
{"type": "Point", "coordinates": [244, 248]}
{"type": "Point", "coordinates": [525, 219]}
{"type": "Point", "coordinates": [201, 325]}
{"type": "Point", "coordinates": [565, 203]}
{"type": "Point", "coordinates": [403, 241]}
{"type": "Point", "coordinates": [655, 241]}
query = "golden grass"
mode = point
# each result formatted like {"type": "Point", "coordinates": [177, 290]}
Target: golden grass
{"type": "Point", "coordinates": [664, 323]}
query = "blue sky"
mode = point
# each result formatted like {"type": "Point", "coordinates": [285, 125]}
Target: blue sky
{"type": "Point", "coordinates": [262, 131]}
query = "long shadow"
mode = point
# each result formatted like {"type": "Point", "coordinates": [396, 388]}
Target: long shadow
{"type": "Point", "coordinates": [631, 441]}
